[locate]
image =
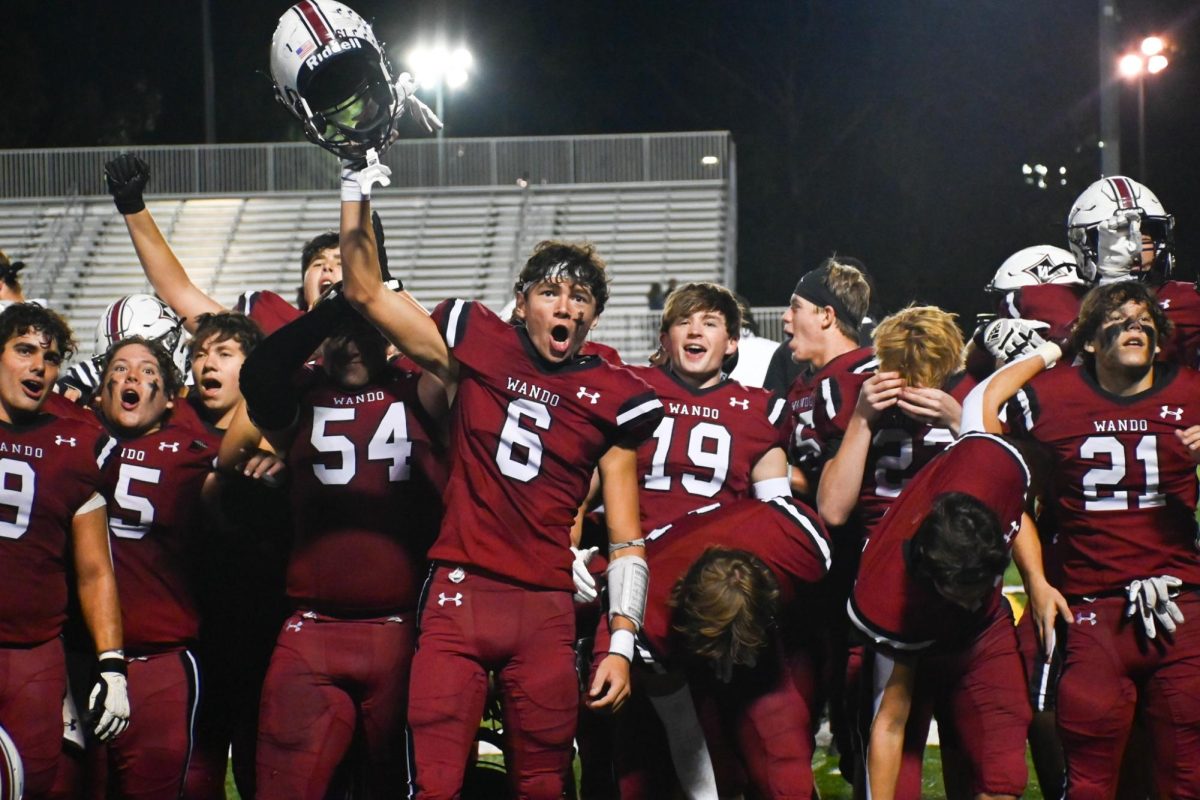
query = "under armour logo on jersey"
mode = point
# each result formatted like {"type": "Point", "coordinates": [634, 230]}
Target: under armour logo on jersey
{"type": "Point", "coordinates": [1081, 617]}
{"type": "Point", "coordinates": [443, 598]}
{"type": "Point", "coordinates": [593, 396]}
{"type": "Point", "coordinates": [1014, 527]}
{"type": "Point", "coordinates": [1167, 411]}
{"type": "Point", "coordinates": [295, 626]}
{"type": "Point", "coordinates": [172, 446]}
{"type": "Point", "coordinates": [1164, 304]}
{"type": "Point", "coordinates": [61, 440]}
{"type": "Point", "coordinates": [733, 401]}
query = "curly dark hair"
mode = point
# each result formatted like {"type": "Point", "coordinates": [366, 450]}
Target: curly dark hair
{"type": "Point", "coordinates": [20, 318]}
{"type": "Point", "coordinates": [959, 547]}
{"type": "Point", "coordinates": [578, 262]}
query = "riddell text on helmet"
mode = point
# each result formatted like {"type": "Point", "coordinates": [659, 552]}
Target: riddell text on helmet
{"type": "Point", "coordinates": [335, 46]}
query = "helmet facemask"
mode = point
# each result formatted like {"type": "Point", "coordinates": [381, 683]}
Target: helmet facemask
{"type": "Point", "coordinates": [331, 73]}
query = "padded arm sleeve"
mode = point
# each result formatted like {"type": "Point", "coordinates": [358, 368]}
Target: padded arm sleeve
{"type": "Point", "coordinates": [271, 396]}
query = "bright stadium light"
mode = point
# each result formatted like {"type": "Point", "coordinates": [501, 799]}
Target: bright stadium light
{"type": "Point", "coordinates": [1152, 45]}
{"type": "Point", "coordinates": [710, 161]}
{"type": "Point", "coordinates": [1148, 59]}
{"type": "Point", "coordinates": [439, 67]}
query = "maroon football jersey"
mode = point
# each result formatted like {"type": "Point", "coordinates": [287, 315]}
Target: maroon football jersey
{"type": "Point", "coordinates": [1124, 487]}
{"type": "Point", "coordinates": [805, 443]}
{"type": "Point", "coordinates": [784, 533]}
{"type": "Point", "coordinates": [900, 445]}
{"type": "Point", "coordinates": [1181, 301]}
{"type": "Point", "coordinates": [888, 604]}
{"type": "Point", "coordinates": [1055, 304]}
{"type": "Point", "coordinates": [364, 511]}
{"type": "Point", "coordinates": [48, 470]}
{"type": "Point", "coordinates": [704, 448]}
{"type": "Point", "coordinates": [268, 309]}
{"type": "Point", "coordinates": [525, 437]}
{"type": "Point", "coordinates": [155, 516]}
{"type": "Point", "coordinates": [60, 406]}
{"type": "Point", "coordinates": [607, 352]}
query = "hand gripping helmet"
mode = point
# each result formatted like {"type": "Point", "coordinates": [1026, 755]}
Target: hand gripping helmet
{"type": "Point", "coordinates": [1030, 266]}
{"type": "Point", "coordinates": [141, 315]}
{"type": "Point", "coordinates": [1112, 205]}
{"type": "Point", "coordinates": [332, 74]}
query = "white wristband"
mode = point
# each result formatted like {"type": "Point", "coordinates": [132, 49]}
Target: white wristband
{"type": "Point", "coordinates": [773, 487]}
{"type": "Point", "coordinates": [621, 644]}
{"type": "Point", "coordinates": [1050, 353]}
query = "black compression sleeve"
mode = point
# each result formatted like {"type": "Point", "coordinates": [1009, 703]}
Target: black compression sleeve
{"type": "Point", "coordinates": [271, 397]}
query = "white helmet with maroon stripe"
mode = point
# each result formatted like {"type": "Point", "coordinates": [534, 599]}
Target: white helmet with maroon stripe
{"type": "Point", "coordinates": [332, 74]}
{"type": "Point", "coordinates": [141, 315]}
{"type": "Point", "coordinates": [12, 772]}
{"type": "Point", "coordinates": [1123, 210]}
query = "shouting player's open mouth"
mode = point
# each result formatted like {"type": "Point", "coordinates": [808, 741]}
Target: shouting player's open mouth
{"type": "Point", "coordinates": [560, 340]}
{"type": "Point", "coordinates": [130, 399]}
{"type": "Point", "coordinates": [33, 388]}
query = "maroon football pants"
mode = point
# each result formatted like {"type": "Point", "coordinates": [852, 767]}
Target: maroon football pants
{"type": "Point", "coordinates": [331, 679]}
{"type": "Point", "coordinates": [1110, 668]}
{"type": "Point", "coordinates": [981, 701]}
{"type": "Point", "coordinates": [33, 681]}
{"type": "Point", "coordinates": [150, 759]}
{"type": "Point", "coordinates": [468, 627]}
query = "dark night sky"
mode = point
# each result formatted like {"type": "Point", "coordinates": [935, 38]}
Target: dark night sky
{"type": "Point", "coordinates": [893, 130]}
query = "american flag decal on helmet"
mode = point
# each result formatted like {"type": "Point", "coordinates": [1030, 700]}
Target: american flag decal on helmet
{"type": "Point", "coordinates": [314, 21]}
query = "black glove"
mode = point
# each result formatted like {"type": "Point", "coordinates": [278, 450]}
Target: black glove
{"type": "Point", "coordinates": [377, 224]}
{"type": "Point", "coordinates": [126, 176]}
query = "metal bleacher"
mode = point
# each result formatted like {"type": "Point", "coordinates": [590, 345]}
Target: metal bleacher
{"type": "Point", "coordinates": [443, 240]}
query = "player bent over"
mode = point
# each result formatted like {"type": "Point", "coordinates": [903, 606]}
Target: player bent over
{"type": "Point", "coordinates": [530, 421]}
{"type": "Point", "coordinates": [57, 527]}
{"type": "Point", "coordinates": [928, 599]}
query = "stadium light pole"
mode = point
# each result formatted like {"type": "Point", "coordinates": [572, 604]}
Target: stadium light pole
{"type": "Point", "coordinates": [1149, 59]}
{"type": "Point", "coordinates": [438, 67]}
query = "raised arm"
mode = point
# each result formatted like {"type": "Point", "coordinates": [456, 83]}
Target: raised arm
{"type": "Point", "coordinates": [399, 317]}
{"type": "Point", "coordinates": [127, 176]}
{"type": "Point", "coordinates": [841, 480]}
{"type": "Point", "coordinates": [981, 409]}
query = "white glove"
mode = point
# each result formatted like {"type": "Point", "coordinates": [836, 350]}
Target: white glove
{"type": "Point", "coordinates": [357, 181]}
{"type": "Point", "coordinates": [1009, 339]}
{"type": "Point", "coordinates": [108, 705]}
{"type": "Point", "coordinates": [406, 88]}
{"type": "Point", "coordinates": [585, 584]}
{"type": "Point", "coordinates": [1118, 242]}
{"type": "Point", "coordinates": [1150, 599]}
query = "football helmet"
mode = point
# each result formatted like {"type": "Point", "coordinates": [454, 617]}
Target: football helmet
{"type": "Point", "coordinates": [331, 73]}
{"type": "Point", "coordinates": [146, 316]}
{"type": "Point", "coordinates": [1105, 227]}
{"type": "Point", "coordinates": [1030, 266]}
{"type": "Point", "coordinates": [12, 771]}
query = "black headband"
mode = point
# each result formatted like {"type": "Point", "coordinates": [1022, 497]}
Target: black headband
{"type": "Point", "coordinates": [812, 288]}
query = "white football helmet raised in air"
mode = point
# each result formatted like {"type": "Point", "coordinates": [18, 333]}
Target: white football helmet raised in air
{"type": "Point", "coordinates": [1031, 266]}
{"type": "Point", "coordinates": [1105, 230]}
{"type": "Point", "coordinates": [146, 316]}
{"type": "Point", "coordinates": [332, 74]}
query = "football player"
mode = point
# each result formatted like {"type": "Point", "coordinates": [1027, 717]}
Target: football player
{"type": "Point", "coordinates": [153, 485]}
{"type": "Point", "coordinates": [57, 528]}
{"type": "Point", "coordinates": [927, 597]}
{"type": "Point", "coordinates": [1037, 291]}
{"type": "Point", "coordinates": [823, 324]}
{"type": "Point", "coordinates": [530, 422]}
{"type": "Point", "coordinates": [361, 460]}
{"type": "Point", "coordinates": [1124, 434]}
